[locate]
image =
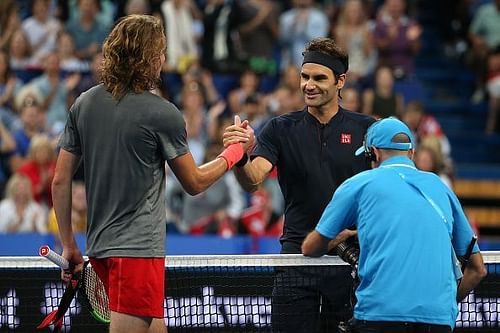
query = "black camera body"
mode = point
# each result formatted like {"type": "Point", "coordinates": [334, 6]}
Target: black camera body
{"type": "Point", "coordinates": [349, 251]}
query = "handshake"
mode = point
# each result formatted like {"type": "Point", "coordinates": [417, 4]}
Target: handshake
{"type": "Point", "coordinates": [238, 139]}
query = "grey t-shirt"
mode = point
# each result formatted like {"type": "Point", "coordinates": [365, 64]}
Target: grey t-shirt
{"type": "Point", "coordinates": [124, 146]}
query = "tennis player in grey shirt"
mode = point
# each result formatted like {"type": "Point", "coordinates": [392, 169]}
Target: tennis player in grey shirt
{"type": "Point", "coordinates": [125, 146]}
{"type": "Point", "coordinates": [123, 134]}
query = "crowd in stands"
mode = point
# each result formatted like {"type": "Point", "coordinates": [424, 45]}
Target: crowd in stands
{"type": "Point", "coordinates": [224, 58]}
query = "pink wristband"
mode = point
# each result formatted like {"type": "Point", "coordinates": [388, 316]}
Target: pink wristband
{"type": "Point", "coordinates": [232, 154]}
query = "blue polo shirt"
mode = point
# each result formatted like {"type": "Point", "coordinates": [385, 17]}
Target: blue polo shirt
{"type": "Point", "coordinates": [405, 266]}
{"type": "Point", "coordinates": [312, 160]}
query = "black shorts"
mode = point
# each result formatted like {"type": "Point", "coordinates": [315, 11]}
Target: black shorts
{"type": "Point", "coordinates": [311, 299]}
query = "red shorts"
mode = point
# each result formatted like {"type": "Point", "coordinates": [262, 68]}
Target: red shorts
{"type": "Point", "coordinates": [135, 286]}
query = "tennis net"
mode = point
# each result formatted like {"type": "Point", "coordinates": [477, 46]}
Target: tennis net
{"type": "Point", "coordinates": [212, 293]}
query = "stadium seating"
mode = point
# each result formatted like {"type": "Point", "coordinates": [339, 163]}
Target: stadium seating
{"type": "Point", "coordinates": [447, 89]}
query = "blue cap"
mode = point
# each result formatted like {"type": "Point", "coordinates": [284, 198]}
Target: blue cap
{"type": "Point", "coordinates": [381, 133]}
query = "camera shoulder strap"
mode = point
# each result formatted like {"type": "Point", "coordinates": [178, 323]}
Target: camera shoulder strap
{"type": "Point", "coordinates": [455, 262]}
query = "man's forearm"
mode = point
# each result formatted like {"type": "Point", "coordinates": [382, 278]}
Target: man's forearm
{"type": "Point", "coordinates": [315, 245]}
{"type": "Point", "coordinates": [61, 194]}
{"type": "Point", "coordinates": [473, 274]}
{"type": "Point", "coordinates": [248, 177]}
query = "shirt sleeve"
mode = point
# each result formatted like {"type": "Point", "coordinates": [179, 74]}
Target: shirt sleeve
{"type": "Point", "coordinates": [340, 212]}
{"type": "Point", "coordinates": [462, 231]}
{"type": "Point", "coordinates": [171, 133]}
{"type": "Point", "coordinates": [268, 142]}
{"type": "Point", "coordinates": [70, 138]}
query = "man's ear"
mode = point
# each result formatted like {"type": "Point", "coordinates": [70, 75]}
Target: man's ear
{"type": "Point", "coordinates": [376, 154]}
{"type": "Point", "coordinates": [411, 154]}
{"type": "Point", "coordinates": [341, 81]}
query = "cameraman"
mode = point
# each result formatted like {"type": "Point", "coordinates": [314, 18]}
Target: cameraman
{"type": "Point", "coordinates": [410, 226]}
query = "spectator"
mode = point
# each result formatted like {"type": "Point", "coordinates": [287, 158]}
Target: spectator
{"type": "Point", "coordinates": [93, 78]}
{"type": "Point", "coordinates": [9, 21]}
{"type": "Point", "coordinates": [382, 101]}
{"type": "Point", "coordinates": [78, 211]}
{"type": "Point", "coordinates": [18, 211]}
{"type": "Point", "coordinates": [290, 79]}
{"type": "Point", "coordinates": [253, 110]}
{"type": "Point", "coordinates": [219, 53]}
{"type": "Point", "coordinates": [20, 52]}
{"type": "Point", "coordinates": [353, 33]}
{"type": "Point", "coordinates": [137, 7]}
{"type": "Point", "coordinates": [217, 120]}
{"type": "Point", "coordinates": [7, 146]}
{"type": "Point", "coordinates": [351, 99]}
{"type": "Point", "coordinates": [106, 11]}
{"type": "Point", "coordinates": [67, 54]}
{"type": "Point", "coordinates": [127, 7]}
{"type": "Point", "coordinates": [56, 92]}
{"type": "Point", "coordinates": [298, 26]}
{"type": "Point", "coordinates": [9, 86]}
{"type": "Point", "coordinates": [484, 34]}
{"type": "Point", "coordinates": [397, 38]}
{"type": "Point", "coordinates": [33, 120]}
{"type": "Point", "coordinates": [428, 158]}
{"type": "Point", "coordinates": [216, 210]}
{"type": "Point", "coordinates": [287, 96]}
{"type": "Point", "coordinates": [39, 168]}
{"type": "Point", "coordinates": [179, 20]}
{"type": "Point", "coordinates": [258, 32]}
{"type": "Point", "coordinates": [87, 29]}
{"type": "Point", "coordinates": [199, 78]}
{"type": "Point", "coordinates": [493, 86]}
{"type": "Point", "coordinates": [193, 110]}
{"type": "Point", "coordinates": [424, 125]}
{"type": "Point", "coordinates": [249, 85]}
{"type": "Point", "coordinates": [41, 29]}
{"type": "Point", "coordinates": [280, 101]}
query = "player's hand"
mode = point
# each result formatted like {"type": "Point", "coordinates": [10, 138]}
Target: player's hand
{"type": "Point", "coordinates": [75, 258]}
{"type": "Point", "coordinates": [251, 139]}
{"type": "Point", "coordinates": [345, 234]}
{"type": "Point", "coordinates": [239, 132]}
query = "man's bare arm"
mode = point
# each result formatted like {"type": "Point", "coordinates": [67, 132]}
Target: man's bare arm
{"type": "Point", "coordinates": [66, 166]}
{"type": "Point", "coordinates": [315, 244]}
{"type": "Point", "coordinates": [253, 173]}
{"type": "Point", "coordinates": [474, 272]}
{"type": "Point", "coordinates": [196, 179]}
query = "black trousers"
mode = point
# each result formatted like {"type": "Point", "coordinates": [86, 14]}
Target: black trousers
{"type": "Point", "coordinates": [363, 326]}
{"type": "Point", "coordinates": [311, 299]}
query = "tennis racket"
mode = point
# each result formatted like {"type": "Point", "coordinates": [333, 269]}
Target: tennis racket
{"type": "Point", "coordinates": [87, 283]}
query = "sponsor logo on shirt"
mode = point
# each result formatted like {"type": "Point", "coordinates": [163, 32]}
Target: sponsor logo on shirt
{"type": "Point", "coordinates": [345, 138]}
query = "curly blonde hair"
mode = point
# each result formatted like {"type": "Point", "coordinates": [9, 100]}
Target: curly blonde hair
{"type": "Point", "coordinates": [132, 55]}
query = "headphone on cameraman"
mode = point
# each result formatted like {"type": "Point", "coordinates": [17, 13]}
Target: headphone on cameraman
{"type": "Point", "coordinates": [369, 152]}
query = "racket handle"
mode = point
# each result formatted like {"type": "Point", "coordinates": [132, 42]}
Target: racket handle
{"type": "Point", "coordinates": [57, 259]}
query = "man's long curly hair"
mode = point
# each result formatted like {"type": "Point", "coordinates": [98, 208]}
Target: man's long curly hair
{"type": "Point", "coordinates": [132, 55]}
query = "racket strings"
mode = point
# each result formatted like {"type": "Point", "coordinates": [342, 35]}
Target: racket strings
{"type": "Point", "coordinates": [96, 293]}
